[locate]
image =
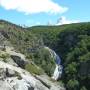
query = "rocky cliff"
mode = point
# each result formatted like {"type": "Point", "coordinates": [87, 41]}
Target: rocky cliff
{"type": "Point", "coordinates": [13, 76]}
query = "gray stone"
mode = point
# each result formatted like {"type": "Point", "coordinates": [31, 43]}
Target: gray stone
{"type": "Point", "coordinates": [4, 86]}
{"type": "Point", "coordinates": [10, 61]}
{"type": "Point", "coordinates": [19, 61]}
{"type": "Point", "coordinates": [2, 73]}
{"type": "Point", "coordinates": [9, 72]}
{"type": "Point", "coordinates": [53, 85]}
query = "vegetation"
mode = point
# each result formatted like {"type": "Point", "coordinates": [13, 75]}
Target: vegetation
{"type": "Point", "coordinates": [43, 59]}
{"type": "Point", "coordinates": [73, 85]}
{"type": "Point", "coordinates": [71, 42]}
{"type": "Point", "coordinates": [4, 57]}
{"type": "Point", "coordinates": [34, 69]}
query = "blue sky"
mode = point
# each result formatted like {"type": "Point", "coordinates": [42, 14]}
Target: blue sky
{"type": "Point", "coordinates": [42, 12]}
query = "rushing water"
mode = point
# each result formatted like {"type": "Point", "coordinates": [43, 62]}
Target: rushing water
{"type": "Point", "coordinates": [58, 70]}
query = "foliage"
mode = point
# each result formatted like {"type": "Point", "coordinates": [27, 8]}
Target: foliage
{"type": "Point", "coordinates": [70, 42]}
{"type": "Point", "coordinates": [34, 69]}
{"type": "Point", "coordinates": [73, 85]}
{"type": "Point", "coordinates": [71, 69]}
{"type": "Point", "coordinates": [4, 56]}
{"type": "Point", "coordinates": [43, 59]}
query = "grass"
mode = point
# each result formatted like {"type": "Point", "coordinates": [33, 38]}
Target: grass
{"type": "Point", "coordinates": [34, 69]}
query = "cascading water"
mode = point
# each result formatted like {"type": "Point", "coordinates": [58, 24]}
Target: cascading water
{"type": "Point", "coordinates": [58, 70]}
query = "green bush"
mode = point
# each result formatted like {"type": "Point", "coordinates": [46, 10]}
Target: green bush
{"type": "Point", "coordinates": [71, 42]}
{"type": "Point", "coordinates": [34, 69]}
{"type": "Point", "coordinates": [71, 68]}
{"type": "Point", "coordinates": [73, 85]}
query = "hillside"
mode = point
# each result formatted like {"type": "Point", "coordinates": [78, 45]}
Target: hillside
{"type": "Point", "coordinates": [27, 43]}
{"type": "Point", "coordinates": [70, 42]}
{"type": "Point", "coordinates": [23, 60]}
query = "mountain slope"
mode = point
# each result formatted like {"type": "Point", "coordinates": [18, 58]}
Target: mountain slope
{"type": "Point", "coordinates": [70, 42]}
{"type": "Point", "coordinates": [25, 42]}
{"type": "Point", "coordinates": [13, 77]}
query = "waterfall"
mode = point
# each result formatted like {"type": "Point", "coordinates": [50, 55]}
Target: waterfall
{"type": "Point", "coordinates": [58, 70]}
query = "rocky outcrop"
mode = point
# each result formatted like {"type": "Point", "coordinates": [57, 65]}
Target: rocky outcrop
{"type": "Point", "coordinates": [21, 80]}
{"type": "Point", "coordinates": [52, 85]}
{"type": "Point", "coordinates": [19, 61]}
{"type": "Point", "coordinates": [17, 58]}
{"type": "Point", "coordinates": [15, 78]}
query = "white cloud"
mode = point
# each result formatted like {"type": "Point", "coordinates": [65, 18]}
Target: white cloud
{"type": "Point", "coordinates": [33, 6]}
{"type": "Point", "coordinates": [63, 20]}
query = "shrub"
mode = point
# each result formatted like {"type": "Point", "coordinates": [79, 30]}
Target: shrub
{"type": "Point", "coordinates": [4, 57]}
{"type": "Point", "coordinates": [34, 69]}
{"type": "Point", "coordinates": [73, 84]}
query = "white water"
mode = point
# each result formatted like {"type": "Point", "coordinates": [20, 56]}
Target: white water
{"type": "Point", "coordinates": [58, 70]}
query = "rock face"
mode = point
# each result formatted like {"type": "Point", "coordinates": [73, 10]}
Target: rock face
{"type": "Point", "coordinates": [18, 58]}
{"type": "Point", "coordinates": [19, 61]}
{"type": "Point", "coordinates": [15, 78]}
{"type": "Point", "coordinates": [51, 85]}
{"type": "Point", "coordinates": [21, 80]}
